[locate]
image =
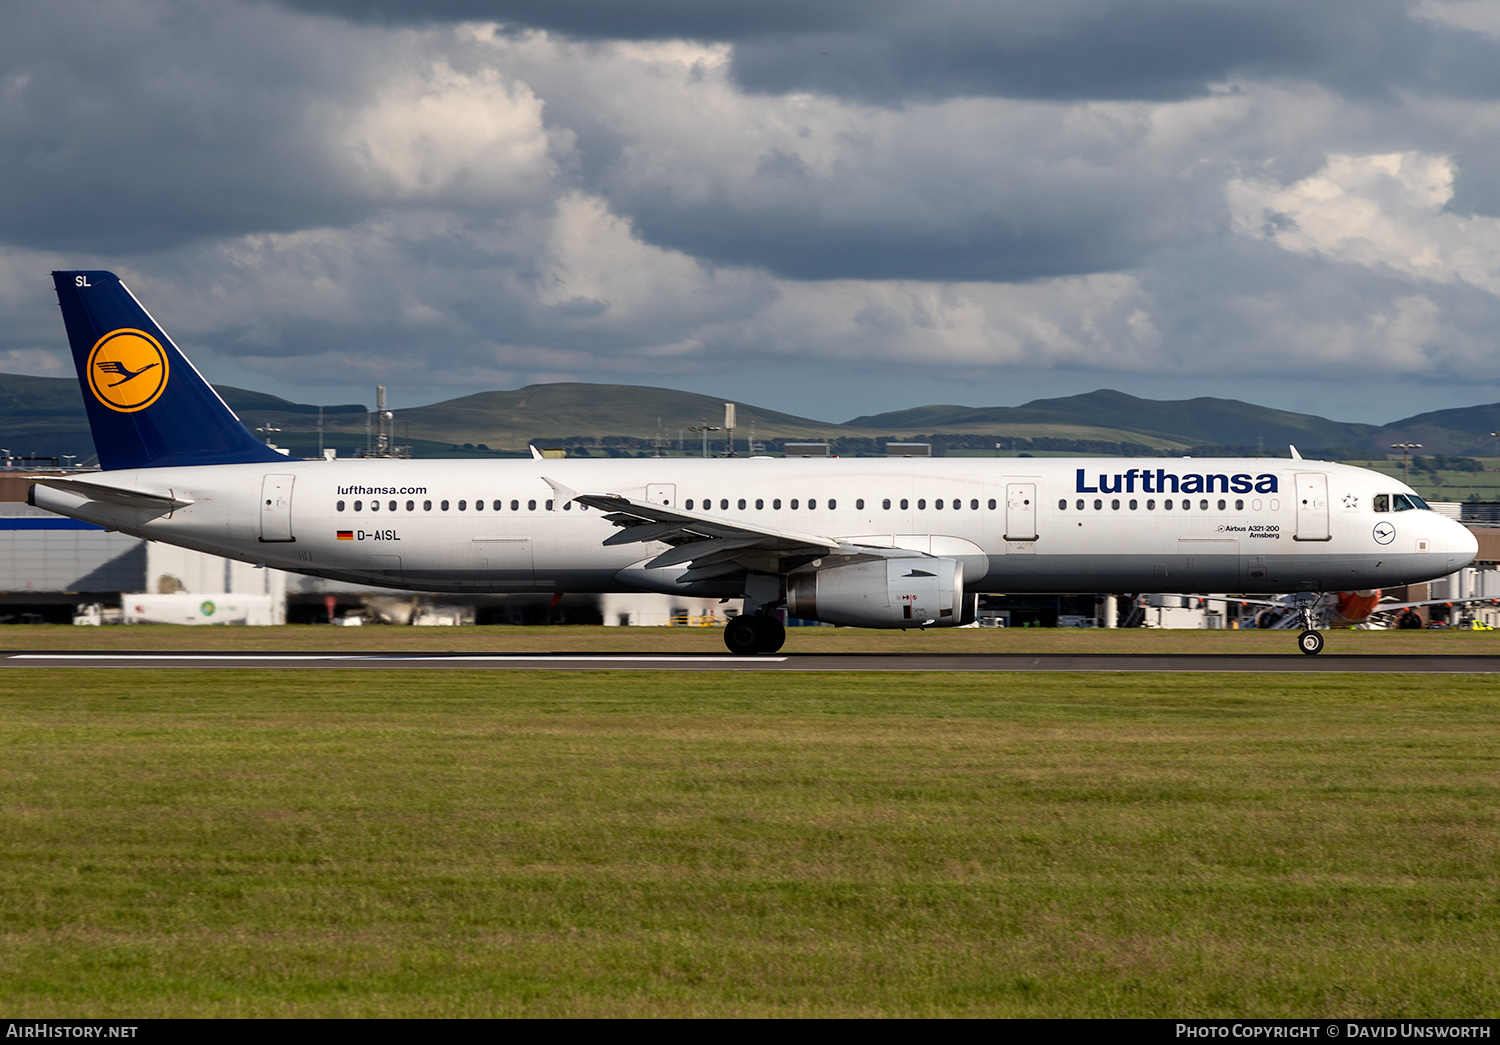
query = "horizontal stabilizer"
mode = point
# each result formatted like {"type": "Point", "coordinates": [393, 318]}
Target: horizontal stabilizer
{"type": "Point", "coordinates": [114, 494]}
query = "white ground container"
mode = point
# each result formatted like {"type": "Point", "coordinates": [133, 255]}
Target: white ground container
{"type": "Point", "coordinates": [183, 608]}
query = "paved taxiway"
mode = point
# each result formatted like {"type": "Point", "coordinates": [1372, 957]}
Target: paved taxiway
{"type": "Point", "coordinates": [1291, 662]}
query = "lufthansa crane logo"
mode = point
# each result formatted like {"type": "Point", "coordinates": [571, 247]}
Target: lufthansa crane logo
{"type": "Point", "coordinates": [1384, 532]}
{"type": "Point", "coordinates": [127, 370]}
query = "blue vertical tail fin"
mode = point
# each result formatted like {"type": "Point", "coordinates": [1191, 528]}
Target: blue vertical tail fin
{"type": "Point", "coordinates": [147, 406]}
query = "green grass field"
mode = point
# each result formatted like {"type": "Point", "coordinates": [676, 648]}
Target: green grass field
{"type": "Point", "coordinates": [1444, 484]}
{"type": "Point", "coordinates": [555, 639]}
{"type": "Point", "coordinates": [185, 843]}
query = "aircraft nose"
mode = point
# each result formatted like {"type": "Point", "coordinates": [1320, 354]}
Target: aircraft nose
{"type": "Point", "coordinates": [1458, 542]}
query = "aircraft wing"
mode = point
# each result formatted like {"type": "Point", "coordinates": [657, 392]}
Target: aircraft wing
{"type": "Point", "coordinates": [1389, 607]}
{"type": "Point", "coordinates": [1227, 599]}
{"type": "Point", "coordinates": [710, 545]}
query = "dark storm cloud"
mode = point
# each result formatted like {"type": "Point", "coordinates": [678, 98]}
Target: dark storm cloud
{"type": "Point", "coordinates": [719, 20]}
{"type": "Point", "coordinates": [1151, 50]}
{"type": "Point", "coordinates": [1096, 222]}
{"type": "Point", "coordinates": [888, 52]}
{"type": "Point", "coordinates": [140, 126]}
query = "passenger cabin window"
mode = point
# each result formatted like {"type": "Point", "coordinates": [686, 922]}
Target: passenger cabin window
{"type": "Point", "coordinates": [776, 504]}
{"type": "Point", "coordinates": [462, 505]}
{"type": "Point", "coordinates": [886, 504]}
{"type": "Point", "coordinates": [903, 504]}
{"type": "Point", "coordinates": [921, 504]}
{"type": "Point", "coordinates": [426, 506]}
{"type": "Point", "coordinates": [992, 504]}
{"type": "Point", "coordinates": [689, 504]}
{"type": "Point", "coordinates": [759, 503]}
{"type": "Point", "coordinates": [1062, 505]}
{"type": "Point", "coordinates": [859, 504]}
{"type": "Point", "coordinates": [794, 504]}
{"type": "Point", "coordinates": [515, 506]}
{"type": "Point", "coordinates": [498, 505]}
{"type": "Point", "coordinates": [374, 506]}
{"type": "Point", "coordinates": [411, 506]}
{"type": "Point", "coordinates": [530, 506]}
{"type": "Point", "coordinates": [832, 504]}
{"type": "Point", "coordinates": [479, 506]}
{"type": "Point", "coordinates": [724, 504]}
{"type": "Point", "coordinates": [341, 506]}
{"type": "Point", "coordinates": [742, 504]}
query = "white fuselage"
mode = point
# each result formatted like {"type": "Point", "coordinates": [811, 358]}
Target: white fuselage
{"type": "Point", "coordinates": [1016, 525]}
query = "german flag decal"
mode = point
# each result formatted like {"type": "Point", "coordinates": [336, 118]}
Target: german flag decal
{"type": "Point", "coordinates": [346, 535]}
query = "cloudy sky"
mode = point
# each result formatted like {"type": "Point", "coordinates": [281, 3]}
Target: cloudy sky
{"type": "Point", "coordinates": [830, 207]}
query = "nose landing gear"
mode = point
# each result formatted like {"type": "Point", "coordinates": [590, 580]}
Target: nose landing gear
{"type": "Point", "coordinates": [1310, 641]}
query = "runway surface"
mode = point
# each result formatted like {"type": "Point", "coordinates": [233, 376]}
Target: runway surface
{"type": "Point", "coordinates": [553, 661]}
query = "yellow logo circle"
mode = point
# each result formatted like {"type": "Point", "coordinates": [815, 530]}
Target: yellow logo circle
{"type": "Point", "coordinates": [127, 370]}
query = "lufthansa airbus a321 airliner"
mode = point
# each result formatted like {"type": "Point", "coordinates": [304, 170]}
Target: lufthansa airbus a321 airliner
{"type": "Point", "coordinates": [872, 543]}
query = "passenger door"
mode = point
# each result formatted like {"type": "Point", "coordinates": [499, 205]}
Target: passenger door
{"type": "Point", "coordinates": [1020, 512]}
{"type": "Point", "coordinates": [1312, 507]}
{"type": "Point", "coordinates": [276, 508]}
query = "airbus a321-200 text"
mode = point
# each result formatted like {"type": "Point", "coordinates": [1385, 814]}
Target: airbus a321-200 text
{"type": "Point", "coordinates": [903, 543]}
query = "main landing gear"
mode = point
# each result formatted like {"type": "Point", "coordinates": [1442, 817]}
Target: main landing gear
{"type": "Point", "coordinates": [754, 633]}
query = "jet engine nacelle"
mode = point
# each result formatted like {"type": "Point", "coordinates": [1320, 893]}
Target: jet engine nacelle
{"type": "Point", "coordinates": [881, 593]}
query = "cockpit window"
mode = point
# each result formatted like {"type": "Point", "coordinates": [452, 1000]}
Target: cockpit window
{"type": "Point", "coordinates": [1403, 502]}
{"type": "Point", "coordinates": [1417, 502]}
{"type": "Point", "coordinates": [1382, 502]}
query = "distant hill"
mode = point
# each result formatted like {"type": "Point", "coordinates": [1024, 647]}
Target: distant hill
{"type": "Point", "coordinates": [44, 415]}
{"type": "Point", "coordinates": [1461, 430]}
{"type": "Point", "coordinates": [241, 400]}
{"type": "Point", "coordinates": [1187, 421]}
{"type": "Point", "coordinates": [508, 419]}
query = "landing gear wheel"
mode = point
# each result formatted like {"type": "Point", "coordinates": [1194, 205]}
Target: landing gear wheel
{"type": "Point", "coordinates": [1310, 642]}
{"type": "Point", "coordinates": [742, 636]}
{"type": "Point", "coordinates": [755, 633]}
{"type": "Point", "coordinates": [772, 634]}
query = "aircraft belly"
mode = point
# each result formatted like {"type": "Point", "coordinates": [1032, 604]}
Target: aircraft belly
{"type": "Point", "coordinates": [1203, 571]}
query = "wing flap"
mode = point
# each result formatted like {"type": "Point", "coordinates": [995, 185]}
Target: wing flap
{"type": "Point", "coordinates": [704, 553]}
